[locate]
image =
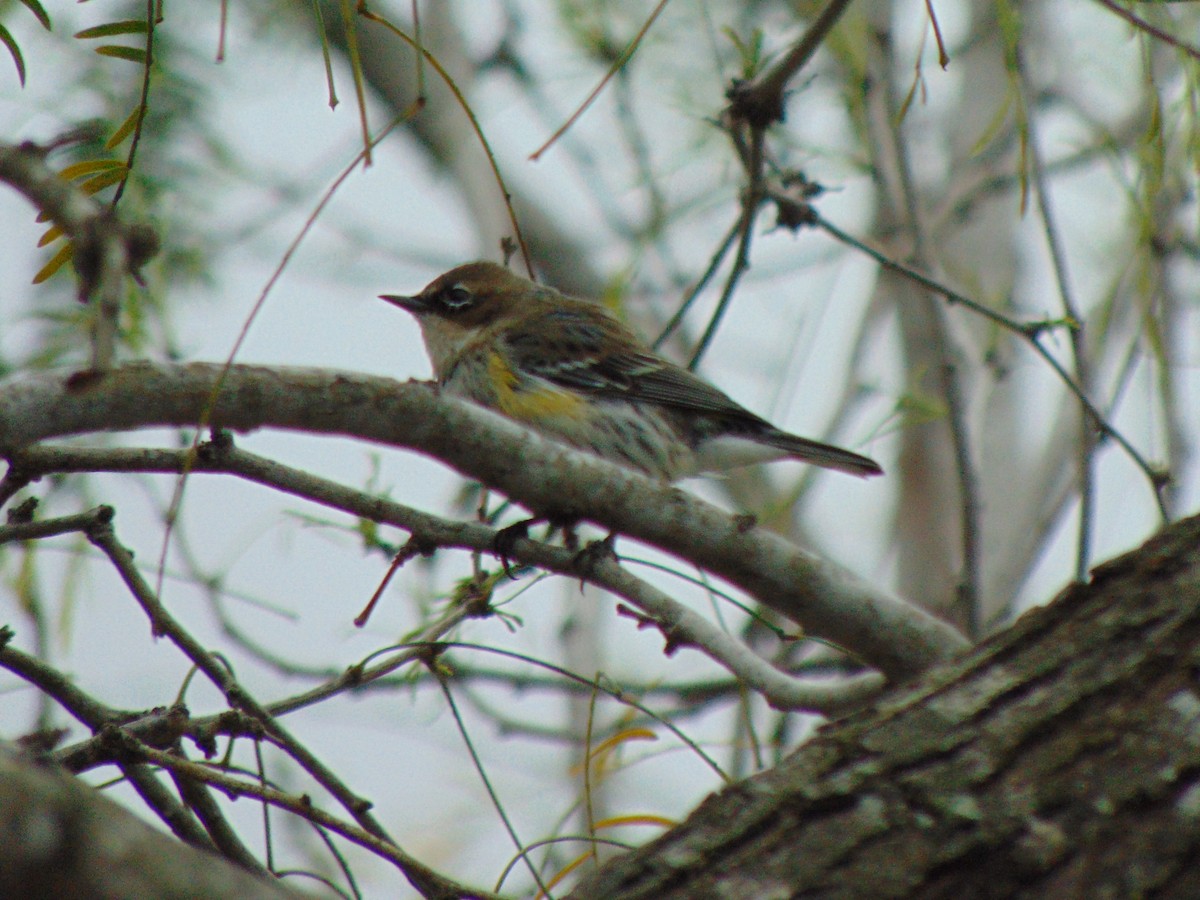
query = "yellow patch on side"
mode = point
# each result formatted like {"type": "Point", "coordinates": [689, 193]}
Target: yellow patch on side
{"type": "Point", "coordinates": [533, 404]}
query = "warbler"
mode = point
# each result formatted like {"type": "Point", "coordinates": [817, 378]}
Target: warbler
{"type": "Point", "coordinates": [568, 369]}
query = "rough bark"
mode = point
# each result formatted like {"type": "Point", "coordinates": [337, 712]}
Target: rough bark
{"type": "Point", "coordinates": [1061, 758]}
{"type": "Point", "coordinates": [62, 839]}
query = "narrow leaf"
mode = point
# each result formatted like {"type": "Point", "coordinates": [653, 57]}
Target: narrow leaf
{"type": "Point", "coordinates": [99, 182]}
{"type": "Point", "coordinates": [36, 8]}
{"type": "Point", "coordinates": [125, 130]}
{"type": "Point", "coordinates": [116, 51]}
{"type": "Point", "coordinates": [56, 262]}
{"type": "Point", "coordinates": [87, 167]}
{"type": "Point", "coordinates": [15, 52]}
{"type": "Point", "coordinates": [52, 234]}
{"type": "Point", "coordinates": [621, 737]}
{"type": "Point", "coordinates": [129, 26]}
{"type": "Point", "coordinates": [646, 819]}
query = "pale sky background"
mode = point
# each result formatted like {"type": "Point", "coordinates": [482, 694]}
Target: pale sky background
{"type": "Point", "coordinates": [392, 228]}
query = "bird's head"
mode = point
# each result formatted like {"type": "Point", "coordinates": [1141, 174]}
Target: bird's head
{"type": "Point", "coordinates": [459, 305]}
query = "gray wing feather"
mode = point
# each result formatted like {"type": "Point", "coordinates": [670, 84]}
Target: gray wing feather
{"type": "Point", "coordinates": [583, 360]}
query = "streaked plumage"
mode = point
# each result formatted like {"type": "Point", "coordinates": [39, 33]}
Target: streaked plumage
{"type": "Point", "coordinates": [569, 369]}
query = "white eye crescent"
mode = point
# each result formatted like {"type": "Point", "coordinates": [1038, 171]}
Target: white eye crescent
{"type": "Point", "coordinates": [456, 297]}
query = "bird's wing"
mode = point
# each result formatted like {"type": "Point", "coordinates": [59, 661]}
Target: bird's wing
{"type": "Point", "coordinates": [596, 354]}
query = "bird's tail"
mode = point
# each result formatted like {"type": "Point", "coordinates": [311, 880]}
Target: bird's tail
{"type": "Point", "coordinates": [764, 443]}
{"type": "Point", "coordinates": [825, 455]}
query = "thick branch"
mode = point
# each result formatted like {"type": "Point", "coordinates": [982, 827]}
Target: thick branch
{"type": "Point", "coordinates": [828, 600]}
{"type": "Point", "coordinates": [1059, 759]}
{"type": "Point", "coordinates": [62, 839]}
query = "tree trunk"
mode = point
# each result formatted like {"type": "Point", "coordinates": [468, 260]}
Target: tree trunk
{"type": "Point", "coordinates": [1059, 759]}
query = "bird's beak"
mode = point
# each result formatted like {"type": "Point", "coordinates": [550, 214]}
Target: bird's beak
{"type": "Point", "coordinates": [416, 305]}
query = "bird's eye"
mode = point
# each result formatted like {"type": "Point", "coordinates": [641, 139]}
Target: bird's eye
{"type": "Point", "coordinates": [456, 297]}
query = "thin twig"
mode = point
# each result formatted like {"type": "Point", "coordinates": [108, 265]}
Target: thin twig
{"type": "Point", "coordinates": [50, 681]}
{"type": "Point", "coordinates": [200, 801]}
{"type": "Point", "coordinates": [760, 101]}
{"type": "Point", "coordinates": [487, 782]}
{"type": "Point", "coordinates": [424, 878]}
{"type": "Point", "coordinates": [1152, 30]}
{"type": "Point", "coordinates": [690, 297]}
{"type": "Point", "coordinates": [177, 817]}
{"type": "Point", "coordinates": [143, 106]}
{"type": "Point", "coordinates": [1086, 451]}
{"type": "Point", "coordinates": [751, 204]}
{"type": "Point", "coordinates": [618, 63]}
{"type": "Point", "coordinates": [76, 524]}
{"type": "Point", "coordinates": [163, 623]}
{"type": "Point", "coordinates": [1031, 332]}
{"type": "Point", "coordinates": [682, 625]}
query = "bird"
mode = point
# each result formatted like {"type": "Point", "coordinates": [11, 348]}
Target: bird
{"type": "Point", "coordinates": [571, 371]}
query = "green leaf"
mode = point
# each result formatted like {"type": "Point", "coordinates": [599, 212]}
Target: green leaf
{"type": "Point", "coordinates": [57, 261]}
{"type": "Point", "coordinates": [90, 167]}
{"type": "Point", "coordinates": [52, 234]}
{"type": "Point", "coordinates": [125, 130]}
{"type": "Point", "coordinates": [133, 54]}
{"type": "Point", "coordinates": [97, 183]}
{"type": "Point", "coordinates": [919, 407]}
{"type": "Point", "coordinates": [36, 8]}
{"type": "Point", "coordinates": [15, 52]}
{"type": "Point", "coordinates": [750, 52]}
{"type": "Point", "coordinates": [129, 26]}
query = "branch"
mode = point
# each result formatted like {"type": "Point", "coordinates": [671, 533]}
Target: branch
{"type": "Point", "coordinates": [1032, 333]}
{"type": "Point", "coordinates": [759, 102]}
{"type": "Point", "coordinates": [163, 623]}
{"type": "Point", "coordinates": [105, 248]}
{"type": "Point", "coordinates": [1057, 759]}
{"type": "Point", "coordinates": [62, 839]}
{"type": "Point", "coordinates": [680, 625]}
{"type": "Point", "coordinates": [302, 805]}
{"type": "Point", "coordinates": [828, 600]}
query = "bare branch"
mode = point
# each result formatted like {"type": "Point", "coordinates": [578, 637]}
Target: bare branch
{"type": "Point", "coordinates": [680, 625]}
{"type": "Point", "coordinates": [828, 600]}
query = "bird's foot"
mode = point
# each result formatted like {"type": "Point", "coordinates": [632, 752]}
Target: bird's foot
{"type": "Point", "coordinates": [596, 552]}
{"type": "Point", "coordinates": [505, 541]}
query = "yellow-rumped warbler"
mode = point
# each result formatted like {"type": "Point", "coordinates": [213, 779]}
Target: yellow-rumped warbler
{"type": "Point", "coordinates": [569, 370]}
